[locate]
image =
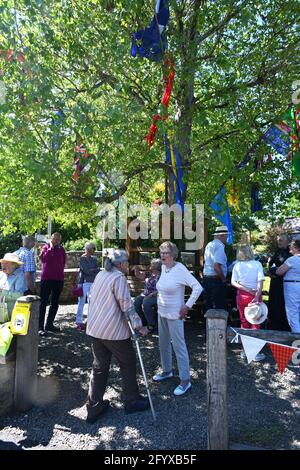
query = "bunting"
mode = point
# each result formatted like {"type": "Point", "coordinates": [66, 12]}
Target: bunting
{"type": "Point", "coordinates": [173, 159]}
{"type": "Point", "coordinates": [252, 346]}
{"type": "Point", "coordinates": [151, 42]}
{"type": "Point", "coordinates": [81, 163]}
{"type": "Point", "coordinates": [168, 81]}
{"type": "Point", "coordinates": [222, 212]}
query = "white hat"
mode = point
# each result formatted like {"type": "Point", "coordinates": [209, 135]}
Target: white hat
{"type": "Point", "coordinates": [256, 313]}
{"type": "Point", "coordinates": [12, 257]}
{"type": "Point", "coordinates": [222, 230]}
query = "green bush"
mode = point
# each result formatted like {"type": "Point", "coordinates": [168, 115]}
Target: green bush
{"type": "Point", "coordinates": [78, 245]}
{"type": "Point", "coordinates": [10, 243]}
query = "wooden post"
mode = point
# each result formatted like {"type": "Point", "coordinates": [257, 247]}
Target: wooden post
{"type": "Point", "coordinates": [27, 359]}
{"type": "Point", "coordinates": [216, 324]}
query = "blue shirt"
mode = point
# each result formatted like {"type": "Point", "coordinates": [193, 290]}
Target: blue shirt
{"type": "Point", "coordinates": [14, 282]}
{"type": "Point", "coordinates": [27, 257]}
{"type": "Point", "coordinates": [214, 253]}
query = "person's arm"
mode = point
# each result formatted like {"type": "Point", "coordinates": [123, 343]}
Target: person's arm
{"type": "Point", "coordinates": [46, 253]}
{"type": "Point", "coordinates": [189, 280]}
{"type": "Point", "coordinates": [235, 283]}
{"type": "Point", "coordinates": [282, 269]}
{"type": "Point", "coordinates": [219, 272]}
{"type": "Point", "coordinates": [30, 281]}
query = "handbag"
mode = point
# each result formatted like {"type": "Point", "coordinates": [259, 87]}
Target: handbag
{"type": "Point", "coordinates": [77, 291]}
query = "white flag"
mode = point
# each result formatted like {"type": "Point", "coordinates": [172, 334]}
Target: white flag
{"type": "Point", "coordinates": [252, 346]}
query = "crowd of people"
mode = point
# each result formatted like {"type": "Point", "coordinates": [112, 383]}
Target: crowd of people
{"type": "Point", "coordinates": [162, 305]}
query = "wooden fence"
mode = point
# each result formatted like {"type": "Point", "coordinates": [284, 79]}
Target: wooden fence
{"type": "Point", "coordinates": [217, 336]}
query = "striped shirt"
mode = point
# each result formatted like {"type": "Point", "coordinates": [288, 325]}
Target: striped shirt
{"type": "Point", "coordinates": [109, 298]}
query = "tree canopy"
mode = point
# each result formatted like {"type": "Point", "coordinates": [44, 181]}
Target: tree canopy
{"type": "Point", "coordinates": [70, 79]}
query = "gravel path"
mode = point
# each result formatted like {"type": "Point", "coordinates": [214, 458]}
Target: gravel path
{"type": "Point", "coordinates": [264, 406]}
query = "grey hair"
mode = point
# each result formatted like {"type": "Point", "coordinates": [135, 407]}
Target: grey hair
{"type": "Point", "coordinates": [117, 257]}
{"type": "Point", "coordinates": [28, 241]}
{"type": "Point", "coordinates": [244, 253]}
{"type": "Point", "coordinates": [156, 264]}
{"type": "Point", "coordinates": [89, 246]}
{"type": "Point", "coordinates": [171, 247]}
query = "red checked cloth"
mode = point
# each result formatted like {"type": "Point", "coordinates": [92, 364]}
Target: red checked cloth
{"type": "Point", "coordinates": [282, 355]}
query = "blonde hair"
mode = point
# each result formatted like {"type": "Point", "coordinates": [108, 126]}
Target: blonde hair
{"type": "Point", "coordinates": [171, 247]}
{"type": "Point", "coordinates": [244, 253]}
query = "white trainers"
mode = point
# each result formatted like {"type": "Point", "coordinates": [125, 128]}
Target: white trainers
{"type": "Point", "coordinates": [243, 355]}
{"type": "Point", "coordinates": [162, 376]}
{"type": "Point", "coordinates": [181, 389]}
{"type": "Point", "coordinates": [259, 357]}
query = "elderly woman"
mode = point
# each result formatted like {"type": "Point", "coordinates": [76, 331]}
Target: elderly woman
{"type": "Point", "coordinates": [12, 280]}
{"type": "Point", "coordinates": [290, 269]}
{"type": "Point", "coordinates": [145, 302]}
{"type": "Point", "coordinates": [88, 270]}
{"type": "Point", "coordinates": [110, 333]}
{"type": "Point", "coordinates": [171, 312]}
{"type": "Point", "coordinates": [247, 278]}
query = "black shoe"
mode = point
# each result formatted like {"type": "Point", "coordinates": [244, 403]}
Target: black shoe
{"type": "Point", "coordinates": [42, 333]}
{"type": "Point", "coordinates": [95, 412]}
{"type": "Point", "coordinates": [140, 404]}
{"type": "Point", "coordinates": [53, 329]}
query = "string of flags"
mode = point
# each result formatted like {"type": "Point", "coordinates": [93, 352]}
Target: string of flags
{"type": "Point", "coordinates": [82, 161]}
{"type": "Point", "coordinates": [173, 159]}
{"type": "Point", "coordinates": [163, 115]}
{"type": "Point", "coordinates": [151, 42]}
{"type": "Point", "coordinates": [221, 208]}
{"type": "Point", "coordinates": [252, 346]}
{"type": "Point", "coordinates": [284, 137]}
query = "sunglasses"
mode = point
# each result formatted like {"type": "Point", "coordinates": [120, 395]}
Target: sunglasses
{"type": "Point", "coordinates": [164, 253]}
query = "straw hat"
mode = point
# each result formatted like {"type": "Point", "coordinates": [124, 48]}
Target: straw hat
{"type": "Point", "coordinates": [222, 230]}
{"type": "Point", "coordinates": [256, 313]}
{"type": "Point", "coordinates": [12, 258]}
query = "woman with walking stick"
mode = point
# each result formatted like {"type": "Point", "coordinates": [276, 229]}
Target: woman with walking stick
{"type": "Point", "coordinates": [111, 336]}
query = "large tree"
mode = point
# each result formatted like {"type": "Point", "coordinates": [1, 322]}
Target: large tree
{"type": "Point", "coordinates": [235, 62]}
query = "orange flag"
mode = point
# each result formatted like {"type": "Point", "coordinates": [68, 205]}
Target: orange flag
{"type": "Point", "coordinates": [282, 355]}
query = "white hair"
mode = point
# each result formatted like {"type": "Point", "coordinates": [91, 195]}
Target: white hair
{"type": "Point", "coordinates": [117, 257]}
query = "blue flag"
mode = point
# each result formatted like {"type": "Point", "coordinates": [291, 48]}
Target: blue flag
{"type": "Point", "coordinates": [173, 158]}
{"type": "Point", "coordinates": [152, 42]}
{"type": "Point", "coordinates": [278, 139]}
{"type": "Point", "coordinates": [222, 212]}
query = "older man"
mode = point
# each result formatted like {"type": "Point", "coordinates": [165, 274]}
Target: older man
{"type": "Point", "coordinates": [26, 255]}
{"type": "Point", "coordinates": [53, 258]}
{"type": "Point", "coordinates": [215, 270]}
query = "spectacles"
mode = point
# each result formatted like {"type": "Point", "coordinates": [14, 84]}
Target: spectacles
{"type": "Point", "coordinates": [164, 253]}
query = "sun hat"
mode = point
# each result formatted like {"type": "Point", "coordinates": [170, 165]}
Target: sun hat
{"type": "Point", "coordinates": [221, 230]}
{"type": "Point", "coordinates": [256, 313]}
{"type": "Point", "coordinates": [12, 257]}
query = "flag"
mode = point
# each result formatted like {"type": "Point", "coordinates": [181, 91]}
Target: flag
{"type": "Point", "coordinates": [282, 355]}
{"type": "Point", "coordinates": [56, 123]}
{"type": "Point", "coordinates": [222, 212]}
{"type": "Point", "coordinates": [151, 42]}
{"type": "Point", "coordinates": [278, 139]}
{"type": "Point", "coordinates": [173, 158]}
{"type": "Point", "coordinates": [255, 200]}
{"type": "Point", "coordinates": [252, 346]}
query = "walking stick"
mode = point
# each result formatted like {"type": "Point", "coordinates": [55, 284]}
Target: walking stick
{"type": "Point", "coordinates": [135, 336]}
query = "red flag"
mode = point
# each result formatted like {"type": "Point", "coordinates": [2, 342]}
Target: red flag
{"type": "Point", "coordinates": [282, 355]}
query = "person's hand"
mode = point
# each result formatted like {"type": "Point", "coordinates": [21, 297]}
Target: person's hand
{"type": "Point", "coordinates": [183, 312]}
{"type": "Point", "coordinates": [143, 331]}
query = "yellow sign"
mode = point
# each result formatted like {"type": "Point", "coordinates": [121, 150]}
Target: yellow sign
{"type": "Point", "coordinates": [20, 318]}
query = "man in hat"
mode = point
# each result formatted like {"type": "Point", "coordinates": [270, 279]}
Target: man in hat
{"type": "Point", "coordinates": [215, 270]}
{"type": "Point", "coordinates": [12, 280]}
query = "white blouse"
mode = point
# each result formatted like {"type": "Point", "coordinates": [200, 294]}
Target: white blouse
{"type": "Point", "coordinates": [171, 288]}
